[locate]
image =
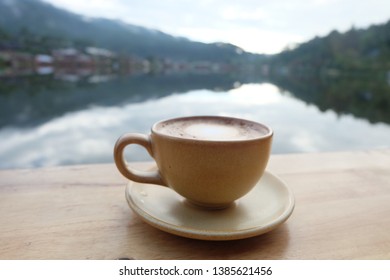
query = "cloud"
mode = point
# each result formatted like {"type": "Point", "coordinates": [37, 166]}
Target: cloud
{"type": "Point", "coordinates": [89, 135]}
{"type": "Point", "coordinates": [278, 22]}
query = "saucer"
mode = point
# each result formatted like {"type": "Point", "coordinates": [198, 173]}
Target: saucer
{"type": "Point", "coordinates": [266, 206]}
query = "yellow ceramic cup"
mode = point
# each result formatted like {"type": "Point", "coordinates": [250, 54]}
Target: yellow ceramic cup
{"type": "Point", "coordinates": [210, 160]}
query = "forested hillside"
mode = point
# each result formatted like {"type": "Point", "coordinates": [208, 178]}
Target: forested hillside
{"type": "Point", "coordinates": [35, 26]}
{"type": "Point", "coordinates": [346, 72]}
{"type": "Point", "coordinates": [357, 49]}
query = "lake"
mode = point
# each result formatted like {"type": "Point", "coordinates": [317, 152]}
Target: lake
{"type": "Point", "coordinates": [49, 120]}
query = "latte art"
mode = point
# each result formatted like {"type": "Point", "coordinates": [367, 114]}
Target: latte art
{"type": "Point", "coordinates": [212, 129]}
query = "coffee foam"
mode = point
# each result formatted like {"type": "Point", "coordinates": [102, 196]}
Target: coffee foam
{"type": "Point", "coordinates": [217, 129]}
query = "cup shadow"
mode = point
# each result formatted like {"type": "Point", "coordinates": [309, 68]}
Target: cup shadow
{"type": "Point", "coordinates": [271, 245]}
{"type": "Point", "coordinates": [157, 244]}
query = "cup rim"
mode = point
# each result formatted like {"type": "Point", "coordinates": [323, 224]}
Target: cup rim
{"type": "Point", "coordinates": [268, 134]}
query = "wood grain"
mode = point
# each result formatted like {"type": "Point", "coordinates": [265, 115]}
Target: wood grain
{"type": "Point", "coordinates": [80, 212]}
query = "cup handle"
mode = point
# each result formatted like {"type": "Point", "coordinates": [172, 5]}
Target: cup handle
{"type": "Point", "coordinates": [149, 177]}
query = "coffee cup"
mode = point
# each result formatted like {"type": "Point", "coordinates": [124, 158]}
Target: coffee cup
{"type": "Point", "coordinates": [209, 160]}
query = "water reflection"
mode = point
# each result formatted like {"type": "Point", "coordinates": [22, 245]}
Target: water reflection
{"type": "Point", "coordinates": [27, 101]}
{"type": "Point", "coordinates": [364, 94]}
{"type": "Point", "coordinates": [79, 123]}
{"type": "Point", "coordinates": [88, 135]}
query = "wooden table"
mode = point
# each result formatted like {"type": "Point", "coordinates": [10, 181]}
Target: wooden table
{"type": "Point", "coordinates": [80, 212]}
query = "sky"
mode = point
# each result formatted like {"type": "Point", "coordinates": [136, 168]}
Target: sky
{"type": "Point", "coordinates": [259, 26]}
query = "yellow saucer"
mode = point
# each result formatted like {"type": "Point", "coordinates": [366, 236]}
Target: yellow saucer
{"type": "Point", "coordinates": [266, 206]}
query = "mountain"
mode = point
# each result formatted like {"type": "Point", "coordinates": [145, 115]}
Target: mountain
{"type": "Point", "coordinates": [348, 72]}
{"type": "Point", "coordinates": [356, 49]}
{"type": "Point", "coordinates": [51, 25]}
